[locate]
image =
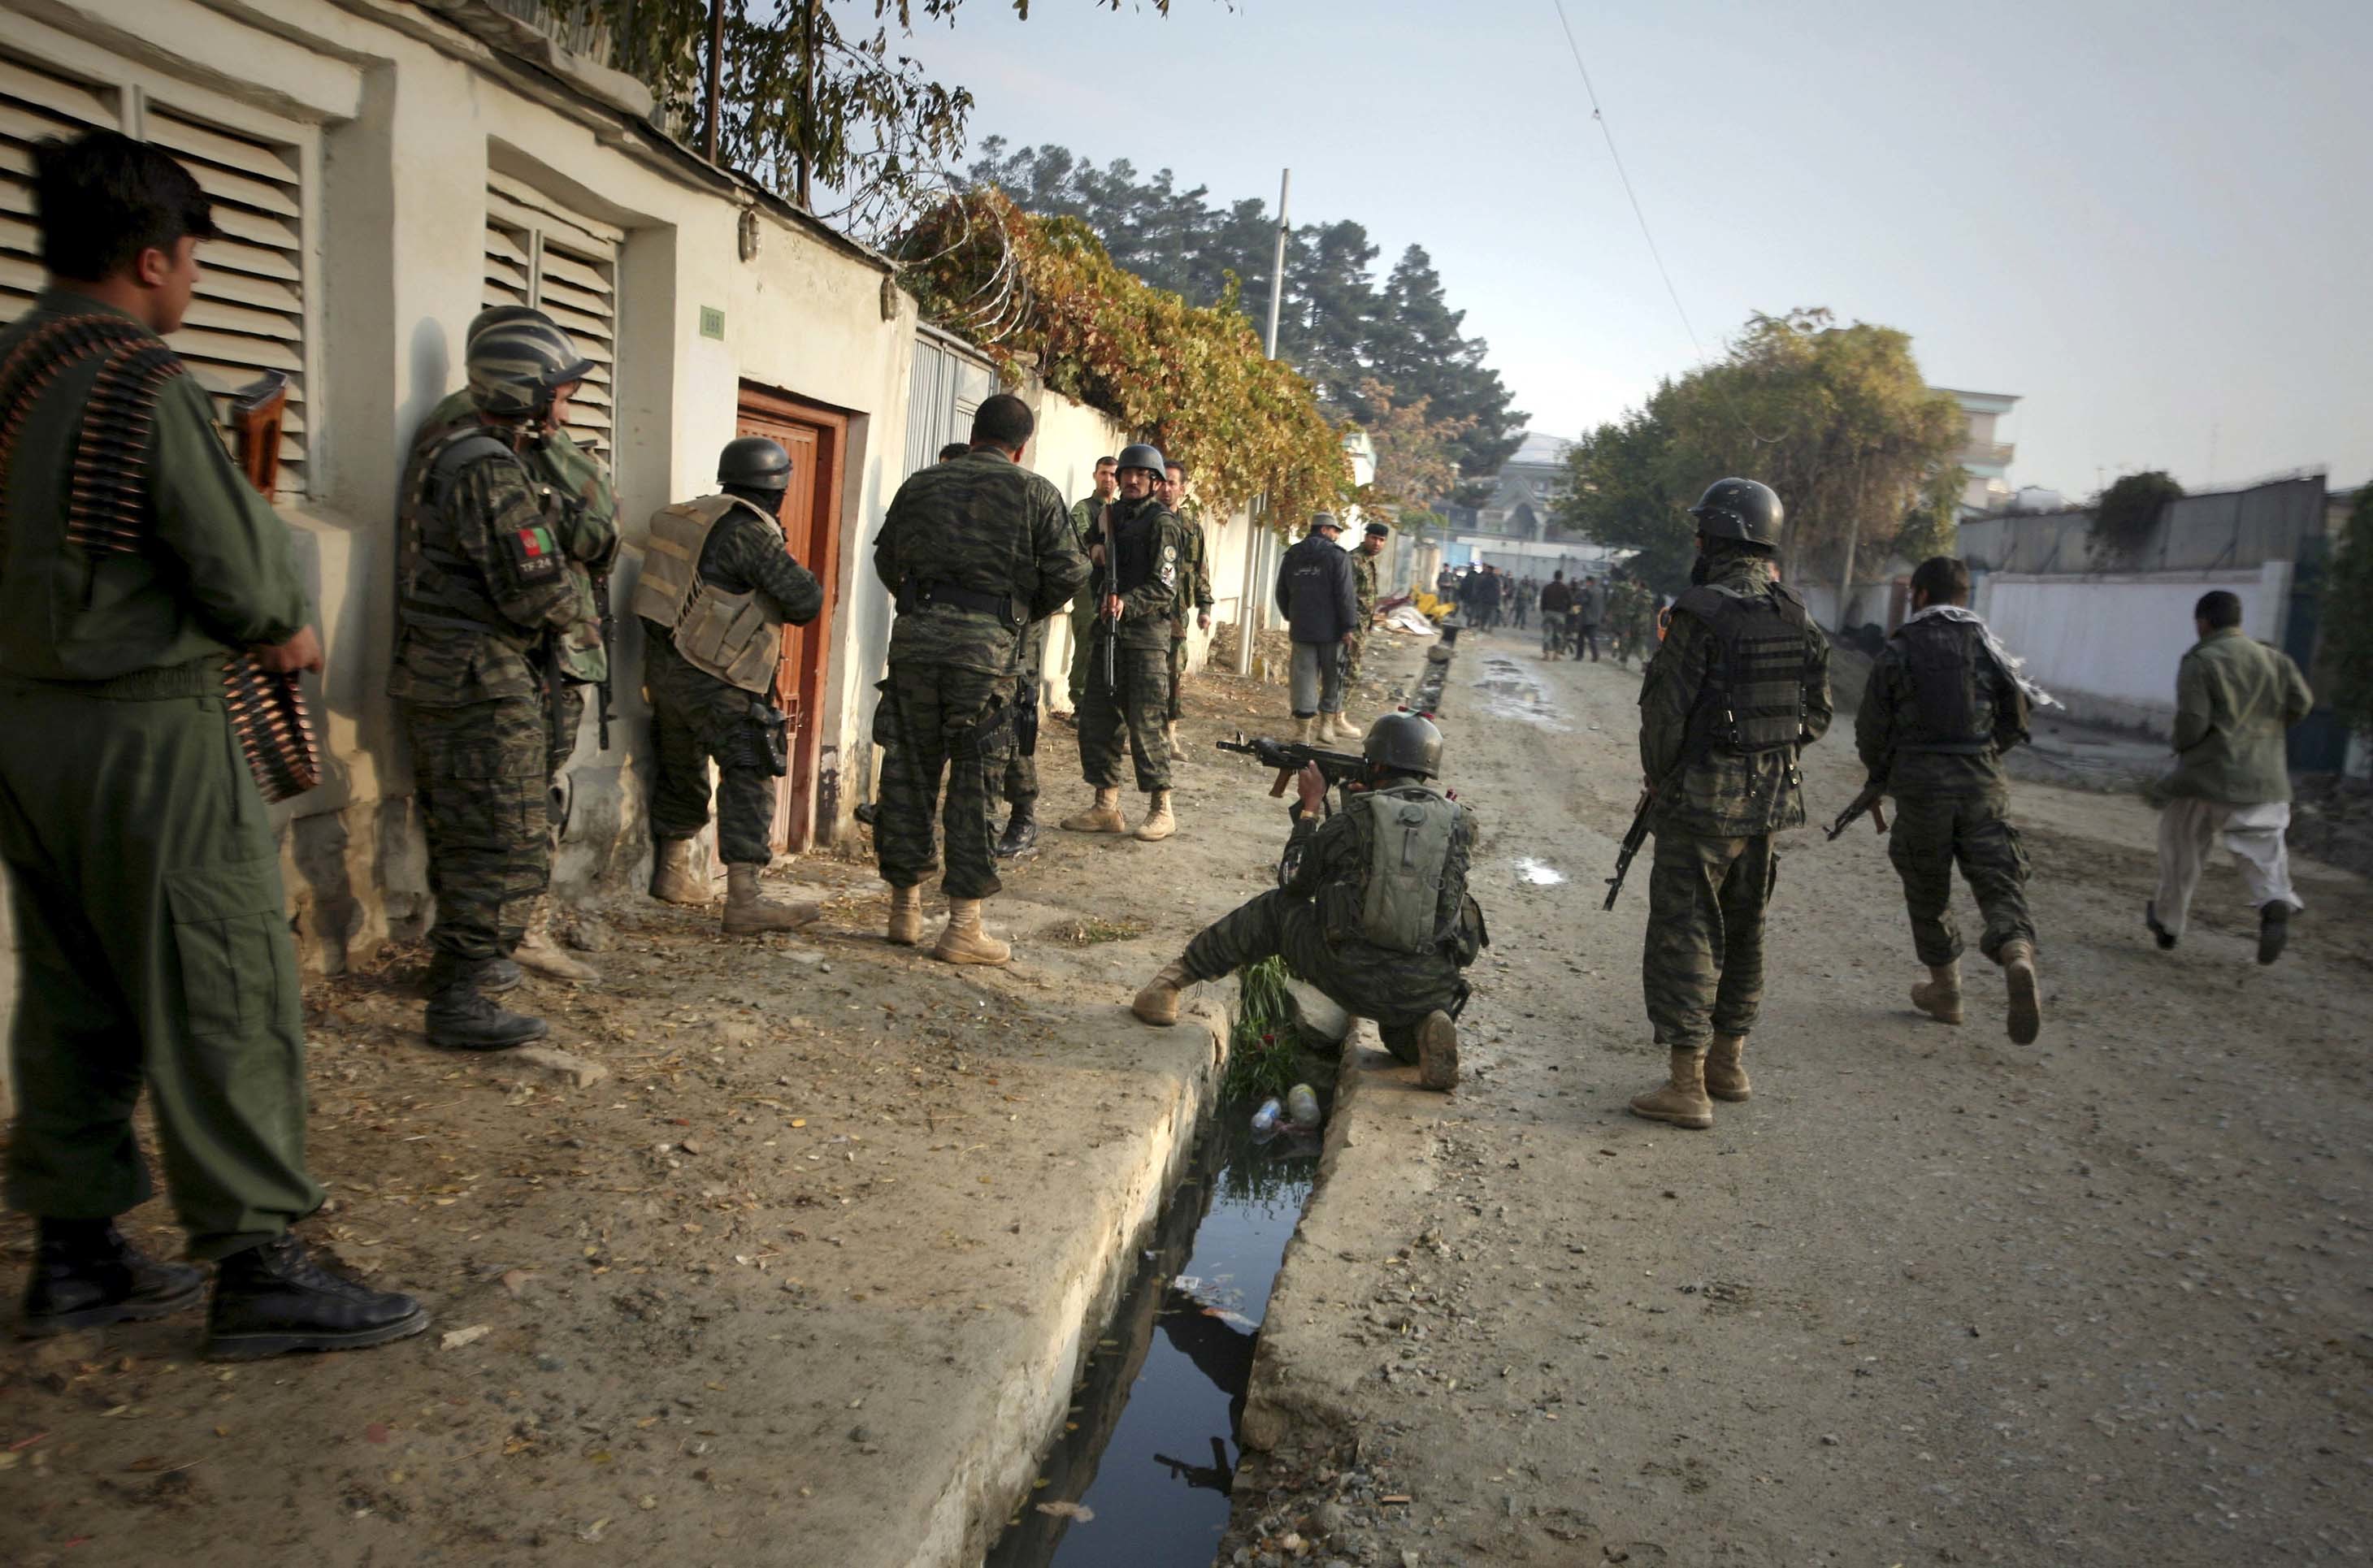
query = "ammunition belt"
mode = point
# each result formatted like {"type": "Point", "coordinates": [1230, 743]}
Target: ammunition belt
{"type": "Point", "coordinates": [107, 513]}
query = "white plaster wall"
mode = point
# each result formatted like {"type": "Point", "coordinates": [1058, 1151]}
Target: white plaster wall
{"type": "Point", "coordinates": [2108, 647]}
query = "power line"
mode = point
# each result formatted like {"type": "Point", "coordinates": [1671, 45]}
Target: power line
{"type": "Point", "coordinates": [1606, 131]}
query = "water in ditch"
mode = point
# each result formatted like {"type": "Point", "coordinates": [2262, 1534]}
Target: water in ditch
{"type": "Point", "coordinates": [1140, 1477]}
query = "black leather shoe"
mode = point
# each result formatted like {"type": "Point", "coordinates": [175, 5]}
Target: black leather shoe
{"type": "Point", "coordinates": [462, 1019]}
{"type": "Point", "coordinates": [495, 976]}
{"type": "Point", "coordinates": [87, 1276]}
{"type": "Point", "coordinates": [2164, 937]}
{"type": "Point", "coordinates": [273, 1299]}
{"type": "Point", "coordinates": [492, 976]}
{"type": "Point", "coordinates": [2273, 931]}
{"type": "Point", "coordinates": [1021, 833]}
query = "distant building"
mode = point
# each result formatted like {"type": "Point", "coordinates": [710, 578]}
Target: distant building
{"type": "Point", "coordinates": [1983, 452]}
{"type": "Point", "coordinates": [1525, 493]}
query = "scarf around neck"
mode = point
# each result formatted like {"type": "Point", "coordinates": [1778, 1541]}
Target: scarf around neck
{"type": "Point", "coordinates": [2011, 663]}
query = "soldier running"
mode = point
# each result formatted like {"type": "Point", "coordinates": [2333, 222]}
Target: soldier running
{"type": "Point", "coordinates": [1740, 686]}
{"type": "Point", "coordinates": [718, 589]}
{"type": "Point", "coordinates": [973, 551]}
{"type": "Point", "coordinates": [1371, 905]}
{"type": "Point", "coordinates": [1943, 704]}
{"type": "Point", "coordinates": [1139, 590]}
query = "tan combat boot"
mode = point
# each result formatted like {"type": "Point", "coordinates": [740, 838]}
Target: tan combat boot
{"type": "Point", "coordinates": [1103, 816]}
{"type": "Point", "coordinates": [1682, 1101]}
{"type": "Point", "coordinates": [747, 915]}
{"type": "Point", "coordinates": [1725, 1073]}
{"type": "Point", "coordinates": [1437, 1052]}
{"type": "Point", "coordinates": [906, 916]}
{"type": "Point", "coordinates": [962, 941]}
{"type": "Point", "coordinates": [1157, 1002]}
{"type": "Point", "coordinates": [1306, 730]}
{"type": "Point", "coordinates": [539, 952]}
{"type": "Point", "coordinates": [672, 878]}
{"type": "Point", "coordinates": [2018, 959]}
{"type": "Point", "coordinates": [1939, 995]}
{"type": "Point", "coordinates": [1158, 824]}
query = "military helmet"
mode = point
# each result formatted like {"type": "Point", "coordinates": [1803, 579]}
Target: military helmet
{"type": "Point", "coordinates": [753, 462]}
{"type": "Point", "coordinates": [1405, 743]}
{"type": "Point", "coordinates": [1743, 509]}
{"type": "Point", "coordinates": [500, 316]}
{"type": "Point", "coordinates": [517, 366]}
{"type": "Point", "coordinates": [1139, 454]}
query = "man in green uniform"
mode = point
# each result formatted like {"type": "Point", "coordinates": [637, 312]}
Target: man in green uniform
{"type": "Point", "coordinates": [147, 893]}
{"type": "Point", "coordinates": [585, 522]}
{"type": "Point", "coordinates": [1138, 588]}
{"type": "Point", "coordinates": [1371, 905]}
{"type": "Point", "coordinates": [1085, 530]}
{"type": "Point", "coordinates": [718, 589]}
{"type": "Point", "coordinates": [485, 595]}
{"type": "Point", "coordinates": [1194, 587]}
{"type": "Point", "coordinates": [1943, 704]}
{"type": "Point", "coordinates": [1363, 593]}
{"type": "Point", "coordinates": [972, 551]}
{"type": "Point", "coordinates": [1740, 686]}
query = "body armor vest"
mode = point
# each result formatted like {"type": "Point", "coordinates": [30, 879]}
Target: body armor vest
{"type": "Point", "coordinates": [1403, 901]}
{"type": "Point", "coordinates": [737, 638]}
{"type": "Point", "coordinates": [1136, 547]}
{"type": "Point", "coordinates": [1754, 696]}
{"type": "Point", "coordinates": [438, 585]}
{"type": "Point", "coordinates": [1949, 712]}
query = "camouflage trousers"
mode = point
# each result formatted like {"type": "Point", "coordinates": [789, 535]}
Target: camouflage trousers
{"type": "Point", "coordinates": [1395, 990]}
{"type": "Point", "coordinates": [1137, 708]}
{"type": "Point", "coordinates": [1173, 712]}
{"type": "Point", "coordinates": [937, 719]}
{"type": "Point", "coordinates": [1929, 834]}
{"type": "Point", "coordinates": [1083, 621]}
{"type": "Point", "coordinates": [482, 774]}
{"type": "Point", "coordinates": [1352, 651]}
{"type": "Point", "coordinates": [1021, 757]}
{"type": "Point", "coordinates": [1703, 967]}
{"type": "Point", "coordinates": [695, 717]}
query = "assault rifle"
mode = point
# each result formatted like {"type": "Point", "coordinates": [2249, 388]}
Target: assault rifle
{"type": "Point", "coordinates": [1290, 757]}
{"type": "Point", "coordinates": [1111, 590]}
{"type": "Point", "coordinates": [609, 651]}
{"type": "Point", "coordinates": [1869, 800]}
{"type": "Point", "coordinates": [1637, 834]}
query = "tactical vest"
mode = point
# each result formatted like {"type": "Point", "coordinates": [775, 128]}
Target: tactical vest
{"type": "Point", "coordinates": [1401, 899]}
{"type": "Point", "coordinates": [1136, 547]}
{"type": "Point", "coordinates": [737, 638]}
{"type": "Point", "coordinates": [1950, 712]}
{"type": "Point", "coordinates": [1754, 694]}
{"type": "Point", "coordinates": [439, 586]}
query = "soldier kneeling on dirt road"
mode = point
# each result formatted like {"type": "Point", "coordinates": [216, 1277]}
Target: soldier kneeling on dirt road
{"type": "Point", "coordinates": [1371, 905]}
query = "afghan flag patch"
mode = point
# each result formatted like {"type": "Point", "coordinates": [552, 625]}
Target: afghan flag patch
{"type": "Point", "coordinates": [535, 542]}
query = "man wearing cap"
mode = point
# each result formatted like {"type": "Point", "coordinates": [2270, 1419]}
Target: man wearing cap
{"type": "Point", "coordinates": [1363, 596]}
{"type": "Point", "coordinates": [585, 523]}
{"type": "Point", "coordinates": [718, 589]}
{"type": "Point", "coordinates": [1316, 595]}
{"type": "Point", "coordinates": [1139, 557]}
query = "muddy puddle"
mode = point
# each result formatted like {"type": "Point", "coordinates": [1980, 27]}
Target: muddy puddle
{"type": "Point", "coordinates": [1507, 691]}
{"type": "Point", "coordinates": [1141, 1478]}
{"type": "Point", "coordinates": [1538, 873]}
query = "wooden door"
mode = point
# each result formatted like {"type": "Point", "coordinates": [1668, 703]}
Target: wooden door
{"type": "Point", "coordinates": [817, 440]}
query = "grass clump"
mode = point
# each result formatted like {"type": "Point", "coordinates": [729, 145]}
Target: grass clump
{"type": "Point", "coordinates": [1262, 1058]}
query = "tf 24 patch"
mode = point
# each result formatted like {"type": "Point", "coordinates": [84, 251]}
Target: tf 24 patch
{"type": "Point", "coordinates": [534, 558]}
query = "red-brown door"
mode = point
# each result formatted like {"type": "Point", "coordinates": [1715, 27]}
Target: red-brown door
{"type": "Point", "coordinates": [817, 440]}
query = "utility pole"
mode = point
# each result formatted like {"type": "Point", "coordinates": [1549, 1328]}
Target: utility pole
{"type": "Point", "coordinates": [716, 79]}
{"type": "Point", "coordinates": [1253, 611]}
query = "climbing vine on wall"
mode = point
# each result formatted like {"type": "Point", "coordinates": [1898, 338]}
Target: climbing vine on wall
{"type": "Point", "coordinates": [1041, 294]}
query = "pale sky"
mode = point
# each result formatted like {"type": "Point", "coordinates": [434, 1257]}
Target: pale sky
{"type": "Point", "coordinates": [2152, 219]}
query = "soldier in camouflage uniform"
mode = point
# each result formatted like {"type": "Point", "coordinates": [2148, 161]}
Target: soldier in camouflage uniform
{"type": "Point", "coordinates": [1140, 593]}
{"type": "Point", "coordinates": [585, 521]}
{"type": "Point", "coordinates": [1085, 527]}
{"type": "Point", "coordinates": [1336, 913]}
{"type": "Point", "coordinates": [1941, 708]}
{"type": "Point", "coordinates": [154, 952]}
{"type": "Point", "coordinates": [1194, 587]}
{"type": "Point", "coordinates": [1739, 688]}
{"type": "Point", "coordinates": [716, 589]}
{"type": "Point", "coordinates": [484, 592]}
{"type": "Point", "coordinates": [1021, 834]}
{"type": "Point", "coordinates": [972, 551]}
{"type": "Point", "coordinates": [1364, 594]}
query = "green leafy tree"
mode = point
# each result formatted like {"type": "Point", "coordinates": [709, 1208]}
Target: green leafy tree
{"type": "Point", "coordinates": [2346, 665]}
{"type": "Point", "coordinates": [1623, 492]}
{"type": "Point", "coordinates": [1417, 456]}
{"type": "Point", "coordinates": [2125, 514]}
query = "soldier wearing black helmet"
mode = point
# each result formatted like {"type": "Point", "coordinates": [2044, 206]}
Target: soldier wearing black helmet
{"type": "Point", "coordinates": [1371, 905]}
{"type": "Point", "coordinates": [718, 587]}
{"type": "Point", "coordinates": [486, 595]}
{"type": "Point", "coordinates": [1740, 685]}
{"type": "Point", "coordinates": [1137, 587]}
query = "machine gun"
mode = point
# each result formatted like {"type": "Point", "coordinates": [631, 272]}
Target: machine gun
{"type": "Point", "coordinates": [1290, 757]}
{"type": "Point", "coordinates": [1868, 800]}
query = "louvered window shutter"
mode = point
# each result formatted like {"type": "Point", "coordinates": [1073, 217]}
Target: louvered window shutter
{"type": "Point", "coordinates": [248, 316]}
{"type": "Point", "coordinates": [540, 252]}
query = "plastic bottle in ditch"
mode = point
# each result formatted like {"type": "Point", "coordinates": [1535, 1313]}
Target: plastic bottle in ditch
{"type": "Point", "coordinates": [1267, 1117]}
{"type": "Point", "coordinates": [1302, 1106]}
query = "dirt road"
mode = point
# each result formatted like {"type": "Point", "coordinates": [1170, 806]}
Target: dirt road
{"type": "Point", "coordinates": [1927, 1298]}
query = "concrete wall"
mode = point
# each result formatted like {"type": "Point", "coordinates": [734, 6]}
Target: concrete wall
{"type": "Point", "coordinates": [2108, 647]}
